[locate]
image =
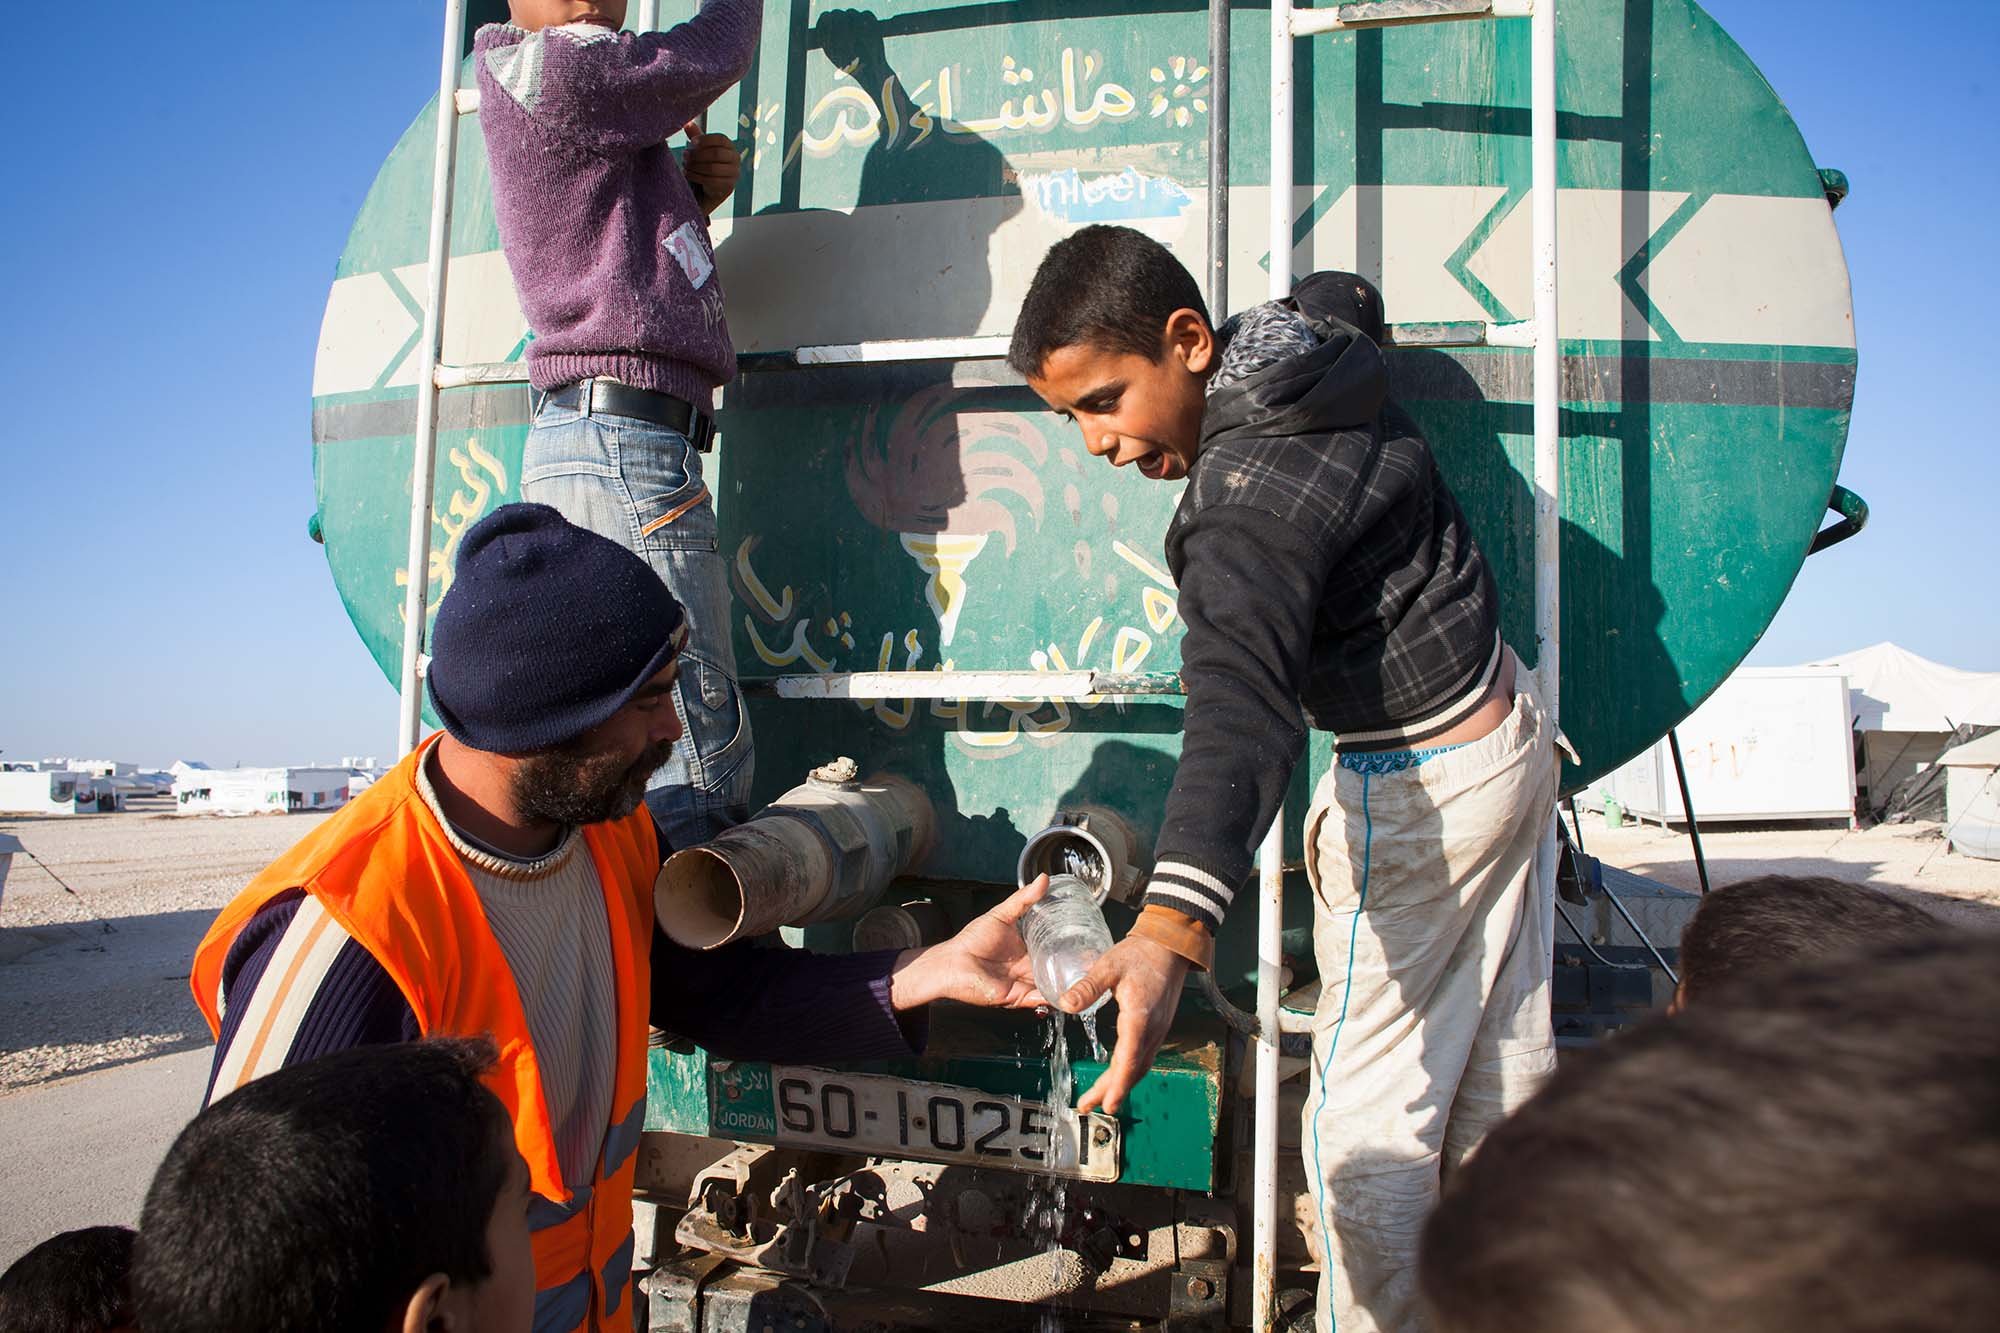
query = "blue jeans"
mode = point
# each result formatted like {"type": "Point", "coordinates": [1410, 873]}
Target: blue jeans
{"type": "Point", "coordinates": [641, 485]}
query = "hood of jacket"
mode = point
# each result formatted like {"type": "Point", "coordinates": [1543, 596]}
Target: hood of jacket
{"type": "Point", "coordinates": [1338, 384]}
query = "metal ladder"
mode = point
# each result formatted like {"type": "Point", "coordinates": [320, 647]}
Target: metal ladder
{"type": "Point", "coordinates": [1290, 24]}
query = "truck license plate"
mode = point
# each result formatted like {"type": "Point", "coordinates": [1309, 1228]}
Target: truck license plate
{"type": "Point", "coordinates": [932, 1122]}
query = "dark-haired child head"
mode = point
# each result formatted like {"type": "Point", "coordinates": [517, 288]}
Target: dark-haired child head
{"type": "Point", "coordinates": [77, 1282]}
{"type": "Point", "coordinates": [1813, 1147]}
{"type": "Point", "coordinates": [377, 1188]}
{"type": "Point", "coordinates": [1777, 921]}
{"type": "Point", "coordinates": [1114, 335]}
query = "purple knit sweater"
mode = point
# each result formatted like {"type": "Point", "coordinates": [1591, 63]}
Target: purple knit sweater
{"type": "Point", "coordinates": [608, 247]}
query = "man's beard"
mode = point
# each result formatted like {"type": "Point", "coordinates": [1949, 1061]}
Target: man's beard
{"type": "Point", "coordinates": [574, 786]}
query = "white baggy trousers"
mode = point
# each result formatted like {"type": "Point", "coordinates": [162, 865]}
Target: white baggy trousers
{"type": "Point", "coordinates": [1434, 915]}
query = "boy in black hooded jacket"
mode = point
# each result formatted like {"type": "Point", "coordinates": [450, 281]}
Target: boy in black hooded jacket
{"type": "Point", "coordinates": [1327, 578]}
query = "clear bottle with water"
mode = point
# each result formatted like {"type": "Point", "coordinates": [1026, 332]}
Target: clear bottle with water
{"type": "Point", "coordinates": [1065, 934]}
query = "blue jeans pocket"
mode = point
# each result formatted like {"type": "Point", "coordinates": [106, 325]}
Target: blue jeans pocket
{"type": "Point", "coordinates": [634, 482]}
{"type": "Point", "coordinates": [705, 786]}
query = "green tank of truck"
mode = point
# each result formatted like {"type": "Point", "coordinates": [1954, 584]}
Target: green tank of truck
{"type": "Point", "coordinates": [893, 499]}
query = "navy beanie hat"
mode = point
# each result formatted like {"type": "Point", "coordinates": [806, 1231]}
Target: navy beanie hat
{"type": "Point", "coordinates": [547, 630]}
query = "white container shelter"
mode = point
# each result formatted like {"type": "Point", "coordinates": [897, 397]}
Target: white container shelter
{"type": "Point", "coordinates": [259, 791]}
{"type": "Point", "coordinates": [43, 792]}
{"type": "Point", "coordinates": [1769, 744]}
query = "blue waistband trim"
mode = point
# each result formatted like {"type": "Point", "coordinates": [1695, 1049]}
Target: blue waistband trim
{"type": "Point", "coordinates": [1378, 762]}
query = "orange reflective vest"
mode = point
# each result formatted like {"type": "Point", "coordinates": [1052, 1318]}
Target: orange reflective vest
{"type": "Point", "coordinates": [385, 870]}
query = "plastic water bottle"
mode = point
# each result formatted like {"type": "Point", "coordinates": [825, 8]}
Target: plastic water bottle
{"type": "Point", "coordinates": [1065, 934]}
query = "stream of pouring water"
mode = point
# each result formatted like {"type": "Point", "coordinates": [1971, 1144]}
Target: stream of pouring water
{"type": "Point", "coordinates": [1048, 1198]}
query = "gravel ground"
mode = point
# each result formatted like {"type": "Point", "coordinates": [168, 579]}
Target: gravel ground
{"type": "Point", "coordinates": [115, 1007]}
{"type": "Point", "coordinates": [74, 998]}
{"type": "Point", "coordinates": [1908, 859]}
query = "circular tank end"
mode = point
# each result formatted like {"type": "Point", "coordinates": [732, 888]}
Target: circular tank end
{"type": "Point", "coordinates": [698, 899]}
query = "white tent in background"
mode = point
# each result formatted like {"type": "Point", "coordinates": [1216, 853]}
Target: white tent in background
{"type": "Point", "coordinates": [1905, 707]}
{"type": "Point", "coordinates": [1972, 796]}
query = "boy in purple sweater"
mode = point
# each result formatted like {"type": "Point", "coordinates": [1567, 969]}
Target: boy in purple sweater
{"type": "Point", "coordinates": [607, 237]}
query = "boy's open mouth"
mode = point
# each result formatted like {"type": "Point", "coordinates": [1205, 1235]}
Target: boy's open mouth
{"type": "Point", "coordinates": [1153, 466]}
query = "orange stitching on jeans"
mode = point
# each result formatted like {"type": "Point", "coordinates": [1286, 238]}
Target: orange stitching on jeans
{"type": "Point", "coordinates": [673, 514]}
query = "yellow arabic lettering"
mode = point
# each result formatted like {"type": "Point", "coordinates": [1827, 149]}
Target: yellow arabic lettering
{"type": "Point", "coordinates": [1110, 99]}
{"type": "Point", "coordinates": [774, 609]}
{"type": "Point", "coordinates": [480, 475]}
{"type": "Point", "coordinates": [1129, 649]}
{"type": "Point", "coordinates": [1142, 564]}
{"type": "Point", "coordinates": [920, 116]}
{"type": "Point", "coordinates": [800, 648]}
{"type": "Point", "coordinates": [856, 121]}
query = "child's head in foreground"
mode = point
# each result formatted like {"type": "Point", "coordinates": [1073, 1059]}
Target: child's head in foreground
{"type": "Point", "coordinates": [376, 1188]}
{"type": "Point", "coordinates": [1777, 921]}
{"type": "Point", "coordinates": [1114, 334]}
{"type": "Point", "coordinates": [78, 1282]}
{"type": "Point", "coordinates": [1816, 1148]}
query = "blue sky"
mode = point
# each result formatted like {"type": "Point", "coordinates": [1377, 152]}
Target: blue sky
{"type": "Point", "coordinates": [178, 197]}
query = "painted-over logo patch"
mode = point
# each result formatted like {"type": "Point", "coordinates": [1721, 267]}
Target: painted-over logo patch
{"type": "Point", "coordinates": [690, 249]}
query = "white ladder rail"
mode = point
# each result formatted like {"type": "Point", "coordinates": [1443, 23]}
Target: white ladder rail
{"type": "Point", "coordinates": [1548, 362]}
{"type": "Point", "coordinates": [1540, 334]}
{"type": "Point", "coordinates": [1271, 852]}
{"type": "Point", "coordinates": [423, 468]}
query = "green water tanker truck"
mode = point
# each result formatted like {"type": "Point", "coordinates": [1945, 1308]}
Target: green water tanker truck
{"type": "Point", "coordinates": [1619, 309]}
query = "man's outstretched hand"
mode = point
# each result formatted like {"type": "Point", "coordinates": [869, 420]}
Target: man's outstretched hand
{"type": "Point", "coordinates": [712, 165]}
{"type": "Point", "coordinates": [985, 964]}
{"type": "Point", "coordinates": [1145, 979]}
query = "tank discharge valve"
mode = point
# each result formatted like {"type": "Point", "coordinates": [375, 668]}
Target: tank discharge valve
{"type": "Point", "coordinates": [1093, 844]}
{"type": "Point", "coordinates": [823, 851]}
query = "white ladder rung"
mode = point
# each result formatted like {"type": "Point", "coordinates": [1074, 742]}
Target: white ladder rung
{"type": "Point", "coordinates": [481, 372]}
{"type": "Point", "coordinates": [1461, 333]}
{"type": "Point", "coordinates": [903, 349]}
{"type": "Point", "coordinates": [972, 686]}
{"type": "Point", "coordinates": [467, 101]}
{"type": "Point", "coordinates": [1391, 13]}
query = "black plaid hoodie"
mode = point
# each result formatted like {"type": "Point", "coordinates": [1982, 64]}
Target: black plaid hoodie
{"type": "Point", "coordinates": [1326, 576]}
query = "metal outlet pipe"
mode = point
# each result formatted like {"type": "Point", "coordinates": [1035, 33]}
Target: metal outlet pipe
{"type": "Point", "coordinates": [823, 851]}
{"type": "Point", "coordinates": [1092, 843]}
{"type": "Point", "coordinates": [911, 926]}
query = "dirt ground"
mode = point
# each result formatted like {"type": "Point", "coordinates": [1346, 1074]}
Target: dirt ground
{"type": "Point", "coordinates": [1909, 859]}
{"type": "Point", "coordinates": [102, 1051]}
{"type": "Point", "coordinates": [75, 997]}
